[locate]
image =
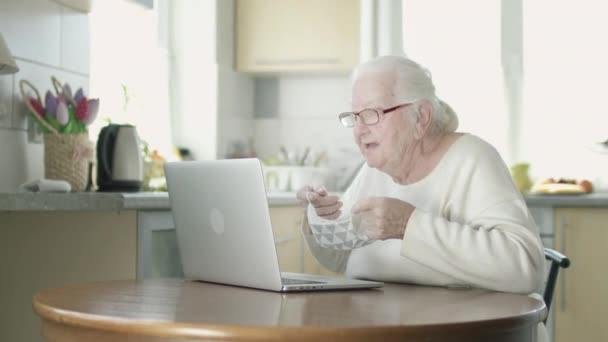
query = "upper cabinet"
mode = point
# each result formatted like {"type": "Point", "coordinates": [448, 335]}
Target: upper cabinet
{"type": "Point", "coordinates": [79, 5]}
{"type": "Point", "coordinates": [295, 36]}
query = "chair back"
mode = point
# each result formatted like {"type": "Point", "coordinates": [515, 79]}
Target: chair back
{"type": "Point", "coordinates": [558, 261]}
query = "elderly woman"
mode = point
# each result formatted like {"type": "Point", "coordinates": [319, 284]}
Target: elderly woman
{"type": "Point", "coordinates": [440, 205]}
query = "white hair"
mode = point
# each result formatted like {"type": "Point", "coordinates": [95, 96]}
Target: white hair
{"type": "Point", "coordinates": [413, 83]}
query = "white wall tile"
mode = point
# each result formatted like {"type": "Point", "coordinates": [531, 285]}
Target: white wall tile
{"type": "Point", "coordinates": [320, 97]}
{"type": "Point", "coordinates": [75, 33]}
{"type": "Point", "coordinates": [20, 161]}
{"type": "Point", "coordinates": [266, 104]}
{"type": "Point", "coordinates": [235, 94]}
{"type": "Point", "coordinates": [6, 100]}
{"type": "Point", "coordinates": [295, 134]}
{"type": "Point", "coordinates": [319, 134]}
{"type": "Point", "coordinates": [234, 131]}
{"type": "Point", "coordinates": [74, 80]}
{"type": "Point", "coordinates": [266, 136]}
{"type": "Point", "coordinates": [303, 113]}
{"type": "Point", "coordinates": [32, 29]}
{"type": "Point", "coordinates": [40, 77]}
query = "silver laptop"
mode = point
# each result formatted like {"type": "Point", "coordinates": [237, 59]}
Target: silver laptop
{"type": "Point", "coordinates": [224, 231]}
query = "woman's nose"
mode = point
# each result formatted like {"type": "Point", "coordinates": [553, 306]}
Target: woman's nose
{"type": "Point", "coordinates": [360, 128]}
{"type": "Point", "coordinates": [359, 123]}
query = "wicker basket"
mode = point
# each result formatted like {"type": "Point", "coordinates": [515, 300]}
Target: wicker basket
{"type": "Point", "coordinates": [66, 156]}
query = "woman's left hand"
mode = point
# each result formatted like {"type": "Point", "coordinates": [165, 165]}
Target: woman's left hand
{"type": "Point", "coordinates": [382, 217]}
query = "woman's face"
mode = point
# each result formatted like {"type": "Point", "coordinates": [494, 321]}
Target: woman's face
{"type": "Point", "coordinates": [385, 144]}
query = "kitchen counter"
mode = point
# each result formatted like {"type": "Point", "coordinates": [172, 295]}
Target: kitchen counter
{"type": "Point", "coordinates": [100, 201]}
{"type": "Point", "coordinates": [599, 199]}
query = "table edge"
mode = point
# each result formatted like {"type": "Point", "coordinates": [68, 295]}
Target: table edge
{"type": "Point", "coordinates": [270, 333]}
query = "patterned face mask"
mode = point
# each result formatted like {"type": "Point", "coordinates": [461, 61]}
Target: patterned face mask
{"type": "Point", "coordinates": [339, 234]}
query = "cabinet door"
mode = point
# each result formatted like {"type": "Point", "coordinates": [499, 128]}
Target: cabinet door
{"type": "Point", "coordinates": [580, 304]}
{"type": "Point", "coordinates": [297, 36]}
{"type": "Point", "coordinates": [157, 250]}
{"type": "Point", "coordinates": [50, 249]}
{"type": "Point", "coordinates": [286, 222]}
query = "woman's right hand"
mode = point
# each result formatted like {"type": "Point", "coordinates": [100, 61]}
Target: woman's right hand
{"type": "Point", "coordinates": [327, 206]}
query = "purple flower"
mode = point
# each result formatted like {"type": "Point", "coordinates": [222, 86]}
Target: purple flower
{"type": "Point", "coordinates": [79, 95]}
{"type": "Point", "coordinates": [50, 102]}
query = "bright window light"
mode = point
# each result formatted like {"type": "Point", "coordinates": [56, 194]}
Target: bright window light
{"type": "Point", "coordinates": [565, 56]}
{"type": "Point", "coordinates": [129, 70]}
{"type": "Point", "coordinates": [459, 42]}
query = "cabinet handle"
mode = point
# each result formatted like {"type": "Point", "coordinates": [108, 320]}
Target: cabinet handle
{"type": "Point", "coordinates": [562, 228]}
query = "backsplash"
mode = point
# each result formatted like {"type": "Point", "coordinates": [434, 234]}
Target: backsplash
{"type": "Point", "coordinates": [299, 112]}
{"type": "Point", "coordinates": [46, 39]}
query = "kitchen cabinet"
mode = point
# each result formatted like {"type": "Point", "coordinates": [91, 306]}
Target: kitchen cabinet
{"type": "Point", "coordinates": [47, 249]}
{"type": "Point", "coordinates": [580, 305]}
{"type": "Point", "coordinates": [293, 36]}
{"type": "Point", "coordinates": [294, 255]}
{"type": "Point", "coordinates": [285, 224]}
{"type": "Point", "coordinates": [544, 218]}
{"type": "Point", "coordinates": [157, 252]}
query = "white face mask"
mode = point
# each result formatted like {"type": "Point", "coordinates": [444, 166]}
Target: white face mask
{"type": "Point", "coordinates": [339, 234]}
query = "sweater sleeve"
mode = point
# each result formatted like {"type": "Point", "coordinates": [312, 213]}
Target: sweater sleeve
{"type": "Point", "coordinates": [497, 249]}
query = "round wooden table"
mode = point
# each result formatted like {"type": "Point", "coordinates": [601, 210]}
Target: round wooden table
{"type": "Point", "coordinates": [182, 310]}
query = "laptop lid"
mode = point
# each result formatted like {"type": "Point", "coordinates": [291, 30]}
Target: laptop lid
{"type": "Point", "coordinates": [224, 231]}
{"type": "Point", "coordinates": [222, 221]}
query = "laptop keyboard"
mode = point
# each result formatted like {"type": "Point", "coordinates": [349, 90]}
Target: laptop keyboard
{"type": "Point", "coordinates": [290, 281]}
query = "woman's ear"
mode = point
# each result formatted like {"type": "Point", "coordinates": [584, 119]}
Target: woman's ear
{"type": "Point", "coordinates": [424, 117]}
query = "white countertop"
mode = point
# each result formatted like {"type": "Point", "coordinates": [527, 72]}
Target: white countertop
{"type": "Point", "coordinates": [160, 200]}
{"type": "Point", "coordinates": [107, 201]}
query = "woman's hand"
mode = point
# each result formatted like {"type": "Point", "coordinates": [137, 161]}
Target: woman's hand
{"type": "Point", "coordinates": [382, 218]}
{"type": "Point", "coordinates": [326, 206]}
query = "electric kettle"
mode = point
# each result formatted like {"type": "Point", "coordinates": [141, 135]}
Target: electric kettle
{"type": "Point", "coordinates": [119, 159]}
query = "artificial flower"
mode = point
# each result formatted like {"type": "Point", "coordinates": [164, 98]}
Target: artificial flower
{"type": "Point", "coordinates": [50, 103]}
{"type": "Point", "coordinates": [93, 105]}
{"type": "Point", "coordinates": [79, 95]}
{"type": "Point", "coordinates": [82, 109]}
{"type": "Point", "coordinates": [37, 107]}
{"type": "Point", "coordinates": [63, 115]}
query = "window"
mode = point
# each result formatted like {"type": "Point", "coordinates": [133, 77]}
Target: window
{"type": "Point", "coordinates": [565, 56]}
{"type": "Point", "coordinates": [460, 43]}
{"type": "Point", "coordinates": [130, 69]}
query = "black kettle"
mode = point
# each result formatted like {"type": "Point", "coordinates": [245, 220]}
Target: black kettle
{"type": "Point", "coordinates": [119, 159]}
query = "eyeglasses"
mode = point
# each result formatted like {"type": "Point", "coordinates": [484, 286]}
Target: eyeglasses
{"type": "Point", "coordinates": [367, 116]}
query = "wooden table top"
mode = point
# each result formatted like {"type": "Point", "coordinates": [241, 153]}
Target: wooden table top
{"type": "Point", "coordinates": [180, 310]}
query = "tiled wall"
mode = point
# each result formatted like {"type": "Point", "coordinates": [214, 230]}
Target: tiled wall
{"type": "Point", "coordinates": [46, 39]}
{"type": "Point", "coordinates": [300, 111]}
{"type": "Point", "coordinates": [235, 90]}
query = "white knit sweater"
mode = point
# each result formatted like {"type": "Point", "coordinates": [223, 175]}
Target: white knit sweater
{"type": "Point", "coordinates": [471, 227]}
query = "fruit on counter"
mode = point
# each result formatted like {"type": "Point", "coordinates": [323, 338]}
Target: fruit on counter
{"type": "Point", "coordinates": [587, 185]}
{"type": "Point", "coordinates": [519, 172]}
{"type": "Point", "coordinates": [562, 186]}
